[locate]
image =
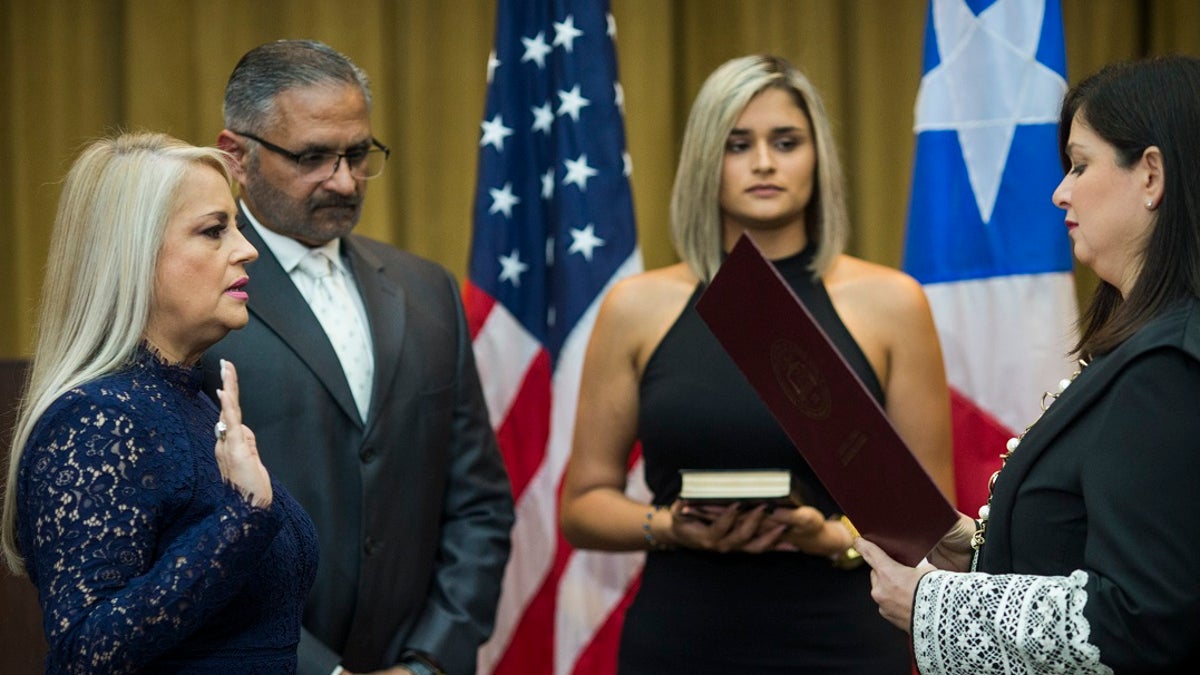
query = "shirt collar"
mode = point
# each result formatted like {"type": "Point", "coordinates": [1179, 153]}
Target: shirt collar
{"type": "Point", "coordinates": [288, 251]}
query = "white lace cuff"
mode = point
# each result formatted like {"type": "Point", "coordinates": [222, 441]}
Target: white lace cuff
{"type": "Point", "coordinates": [1009, 623]}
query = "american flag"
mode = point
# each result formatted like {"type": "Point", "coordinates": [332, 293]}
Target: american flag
{"type": "Point", "coordinates": [554, 229]}
{"type": "Point", "coordinates": [983, 236]}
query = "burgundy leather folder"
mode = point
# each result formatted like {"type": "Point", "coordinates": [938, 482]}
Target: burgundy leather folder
{"type": "Point", "coordinates": [835, 423]}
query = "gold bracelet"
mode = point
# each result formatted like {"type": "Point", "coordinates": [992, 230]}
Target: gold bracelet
{"type": "Point", "coordinates": [850, 558]}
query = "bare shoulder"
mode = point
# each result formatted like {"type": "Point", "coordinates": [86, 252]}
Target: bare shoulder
{"type": "Point", "coordinates": [887, 313]}
{"type": "Point", "coordinates": [643, 296]}
{"type": "Point", "coordinates": [874, 288]}
{"type": "Point", "coordinates": [639, 310]}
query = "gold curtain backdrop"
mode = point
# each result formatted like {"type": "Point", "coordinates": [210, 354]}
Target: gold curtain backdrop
{"type": "Point", "coordinates": [71, 70]}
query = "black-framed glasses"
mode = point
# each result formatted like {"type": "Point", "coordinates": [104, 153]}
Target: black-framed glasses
{"type": "Point", "coordinates": [318, 166]}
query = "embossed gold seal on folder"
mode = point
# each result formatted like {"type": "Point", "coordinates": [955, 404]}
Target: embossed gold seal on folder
{"type": "Point", "coordinates": [801, 379]}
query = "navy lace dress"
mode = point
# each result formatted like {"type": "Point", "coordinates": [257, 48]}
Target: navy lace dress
{"type": "Point", "coordinates": [700, 612]}
{"type": "Point", "coordinates": [144, 559]}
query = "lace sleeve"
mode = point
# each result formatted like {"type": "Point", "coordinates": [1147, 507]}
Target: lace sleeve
{"type": "Point", "coordinates": [97, 492]}
{"type": "Point", "coordinates": [1008, 623]}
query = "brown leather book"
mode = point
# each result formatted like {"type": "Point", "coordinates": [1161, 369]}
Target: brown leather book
{"type": "Point", "coordinates": [823, 407]}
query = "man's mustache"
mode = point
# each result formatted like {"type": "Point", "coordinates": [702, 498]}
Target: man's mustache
{"type": "Point", "coordinates": [326, 202]}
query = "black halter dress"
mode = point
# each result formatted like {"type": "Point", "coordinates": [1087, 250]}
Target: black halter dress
{"type": "Point", "coordinates": [699, 612]}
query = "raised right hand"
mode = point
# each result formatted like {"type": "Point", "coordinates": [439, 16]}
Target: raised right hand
{"type": "Point", "coordinates": [237, 455]}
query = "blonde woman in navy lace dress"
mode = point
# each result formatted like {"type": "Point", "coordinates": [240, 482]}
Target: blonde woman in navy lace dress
{"type": "Point", "coordinates": [137, 506]}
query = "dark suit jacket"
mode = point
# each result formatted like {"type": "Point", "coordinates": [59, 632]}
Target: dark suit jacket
{"type": "Point", "coordinates": [413, 510]}
{"type": "Point", "coordinates": [1106, 482]}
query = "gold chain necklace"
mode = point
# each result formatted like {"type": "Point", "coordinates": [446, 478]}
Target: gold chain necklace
{"type": "Point", "coordinates": [985, 511]}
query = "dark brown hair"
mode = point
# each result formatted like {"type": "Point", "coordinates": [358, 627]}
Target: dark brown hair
{"type": "Point", "coordinates": [1133, 106]}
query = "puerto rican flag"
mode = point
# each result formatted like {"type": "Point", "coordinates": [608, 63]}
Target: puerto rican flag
{"type": "Point", "coordinates": [554, 229]}
{"type": "Point", "coordinates": [983, 236]}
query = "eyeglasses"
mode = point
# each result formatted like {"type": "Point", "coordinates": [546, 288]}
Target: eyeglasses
{"type": "Point", "coordinates": [320, 166]}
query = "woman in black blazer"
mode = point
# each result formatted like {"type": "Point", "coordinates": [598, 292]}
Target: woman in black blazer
{"type": "Point", "coordinates": [1083, 559]}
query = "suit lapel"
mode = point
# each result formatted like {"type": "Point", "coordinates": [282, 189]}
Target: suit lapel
{"type": "Point", "coordinates": [276, 301]}
{"type": "Point", "coordinates": [386, 306]}
{"type": "Point", "coordinates": [1059, 417]}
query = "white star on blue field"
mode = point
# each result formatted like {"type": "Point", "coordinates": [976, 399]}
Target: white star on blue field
{"type": "Point", "coordinates": [986, 165]}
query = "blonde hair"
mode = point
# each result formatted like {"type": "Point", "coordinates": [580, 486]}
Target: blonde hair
{"type": "Point", "coordinates": [100, 271]}
{"type": "Point", "coordinates": [695, 200]}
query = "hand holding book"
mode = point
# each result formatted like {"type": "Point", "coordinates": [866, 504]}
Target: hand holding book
{"type": "Point", "coordinates": [730, 529]}
{"type": "Point", "coordinates": [727, 528]}
{"type": "Point", "coordinates": [753, 511]}
{"type": "Point", "coordinates": [707, 495]}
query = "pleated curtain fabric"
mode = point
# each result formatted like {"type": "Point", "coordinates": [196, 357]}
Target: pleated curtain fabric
{"type": "Point", "coordinates": [336, 310]}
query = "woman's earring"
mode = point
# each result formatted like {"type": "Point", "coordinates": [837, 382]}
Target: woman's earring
{"type": "Point", "coordinates": [1150, 204]}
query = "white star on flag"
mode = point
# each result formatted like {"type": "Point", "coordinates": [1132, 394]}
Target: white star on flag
{"type": "Point", "coordinates": [494, 132]}
{"type": "Point", "coordinates": [503, 200]}
{"type": "Point", "coordinates": [565, 33]}
{"type": "Point", "coordinates": [536, 50]}
{"type": "Point", "coordinates": [535, 282]}
{"type": "Point", "coordinates": [585, 241]}
{"type": "Point", "coordinates": [512, 268]}
{"type": "Point", "coordinates": [571, 103]}
{"type": "Point", "coordinates": [983, 238]}
{"type": "Point", "coordinates": [543, 117]}
{"type": "Point", "coordinates": [578, 172]}
{"type": "Point", "coordinates": [1002, 43]}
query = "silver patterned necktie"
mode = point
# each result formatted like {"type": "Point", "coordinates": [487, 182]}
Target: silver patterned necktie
{"type": "Point", "coordinates": [336, 310]}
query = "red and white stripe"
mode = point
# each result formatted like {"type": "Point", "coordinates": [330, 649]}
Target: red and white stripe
{"type": "Point", "coordinates": [1004, 341]}
{"type": "Point", "coordinates": [559, 610]}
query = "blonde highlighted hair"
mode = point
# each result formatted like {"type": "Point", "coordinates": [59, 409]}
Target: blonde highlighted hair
{"type": "Point", "coordinates": [115, 205]}
{"type": "Point", "coordinates": [695, 200]}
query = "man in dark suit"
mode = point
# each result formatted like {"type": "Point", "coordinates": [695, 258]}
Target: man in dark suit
{"type": "Point", "coordinates": [359, 382]}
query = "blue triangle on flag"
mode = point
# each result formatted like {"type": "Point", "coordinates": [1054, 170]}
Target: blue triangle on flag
{"type": "Point", "coordinates": [952, 243]}
{"type": "Point", "coordinates": [1052, 50]}
{"type": "Point", "coordinates": [948, 238]}
{"type": "Point", "coordinates": [977, 6]}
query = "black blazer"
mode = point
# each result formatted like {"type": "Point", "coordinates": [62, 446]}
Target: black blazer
{"type": "Point", "coordinates": [413, 509]}
{"type": "Point", "coordinates": [1106, 482]}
